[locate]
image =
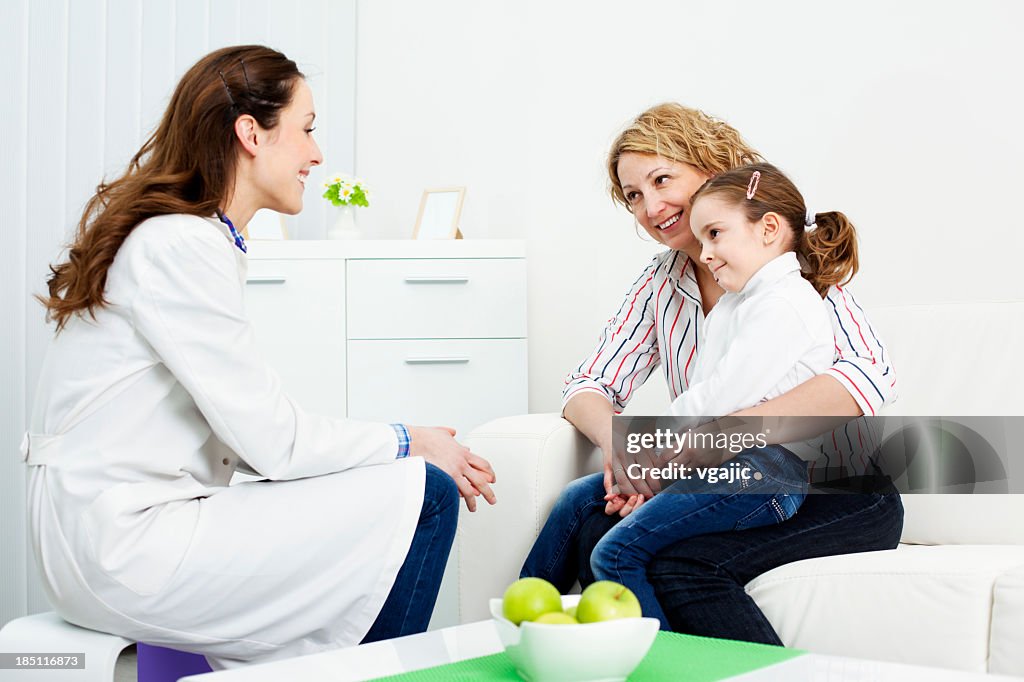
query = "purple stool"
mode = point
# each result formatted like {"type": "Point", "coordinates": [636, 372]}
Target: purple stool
{"type": "Point", "coordinates": [157, 664]}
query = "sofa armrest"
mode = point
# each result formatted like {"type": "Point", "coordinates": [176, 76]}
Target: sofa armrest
{"type": "Point", "coordinates": [1005, 656]}
{"type": "Point", "coordinates": [534, 457]}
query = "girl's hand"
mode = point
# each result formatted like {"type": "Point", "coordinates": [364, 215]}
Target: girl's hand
{"type": "Point", "coordinates": [471, 473]}
{"type": "Point", "coordinates": [622, 493]}
{"type": "Point", "coordinates": [623, 505]}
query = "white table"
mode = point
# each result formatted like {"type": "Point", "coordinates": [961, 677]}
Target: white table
{"type": "Point", "coordinates": [481, 639]}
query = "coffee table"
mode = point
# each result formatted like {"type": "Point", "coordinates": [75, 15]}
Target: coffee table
{"type": "Point", "coordinates": [462, 642]}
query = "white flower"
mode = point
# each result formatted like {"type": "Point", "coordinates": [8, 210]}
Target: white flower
{"type": "Point", "coordinates": [346, 190]}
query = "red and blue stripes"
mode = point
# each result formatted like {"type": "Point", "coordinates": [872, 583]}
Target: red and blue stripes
{"type": "Point", "coordinates": [659, 322]}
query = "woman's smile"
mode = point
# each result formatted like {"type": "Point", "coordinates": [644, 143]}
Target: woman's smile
{"type": "Point", "coordinates": [658, 192]}
{"type": "Point", "coordinates": [670, 222]}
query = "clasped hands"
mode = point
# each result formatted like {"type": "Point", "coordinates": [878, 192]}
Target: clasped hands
{"type": "Point", "coordinates": [625, 493]}
{"type": "Point", "coordinates": [472, 474]}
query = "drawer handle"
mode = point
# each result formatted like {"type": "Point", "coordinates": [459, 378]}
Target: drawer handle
{"type": "Point", "coordinates": [441, 279]}
{"type": "Point", "coordinates": [436, 361]}
{"type": "Point", "coordinates": [265, 279]}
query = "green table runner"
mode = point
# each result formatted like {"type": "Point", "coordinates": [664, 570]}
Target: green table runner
{"type": "Point", "coordinates": [672, 657]}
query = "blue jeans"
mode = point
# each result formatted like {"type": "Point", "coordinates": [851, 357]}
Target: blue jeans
{"type": "Point", "coordinates": [556, 555]}
{"type": "Point", "coordinates": [700, 582]}
{"type": "Point", "coordinates": [686, 508]}
{"type": "Point", "coordinates": [692, 507]}
{"type": "Point", "coordinates": [410, 603]}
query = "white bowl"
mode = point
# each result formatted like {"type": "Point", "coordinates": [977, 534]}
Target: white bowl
{"type": "Point", "coordinates": [606, 651]}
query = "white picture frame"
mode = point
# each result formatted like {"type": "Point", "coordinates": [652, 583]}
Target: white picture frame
{"type": "Point", "coordinates": [438, 216]}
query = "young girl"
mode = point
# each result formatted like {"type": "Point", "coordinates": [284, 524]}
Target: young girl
{"type": "Point", "coordinates": [751, 224]}
{"type": "Point", "coordinates": [768, 333]}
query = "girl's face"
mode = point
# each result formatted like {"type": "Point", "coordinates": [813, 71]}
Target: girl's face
{"type": "Point", "coordinates": [658, 192]}
{"type": "Point", "coordinates": [289, 152]}
{"type": "Point", "coordinates": [731, 246]}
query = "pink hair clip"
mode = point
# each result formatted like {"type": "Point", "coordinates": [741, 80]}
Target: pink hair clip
{"type": "Point", "coordinates": [752, 187]}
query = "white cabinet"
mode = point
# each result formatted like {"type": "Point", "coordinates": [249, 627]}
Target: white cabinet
{"type": "Point", "coordinates": [437, 299]}
{"type": "Point", "coordinates": [418, 332]}
{"type": "Point", "coordinates": [297, 308]}
{"type": "Point", "coordinates": [429, 333]}
{"type": "Point", "coordinates": [446, 382]}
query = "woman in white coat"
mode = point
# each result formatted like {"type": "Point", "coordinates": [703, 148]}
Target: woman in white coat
{"type": "Point", "coordinates": [153, 393]}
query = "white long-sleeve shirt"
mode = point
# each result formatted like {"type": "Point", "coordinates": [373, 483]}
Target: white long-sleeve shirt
{"type": "Point", "coordinates": [659, 323]}
{"type": "Point", "coordinates": [759, 343]}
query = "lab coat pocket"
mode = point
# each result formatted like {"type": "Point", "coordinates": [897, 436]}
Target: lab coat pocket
{"type": "Point", "coordinates": [136, 542]}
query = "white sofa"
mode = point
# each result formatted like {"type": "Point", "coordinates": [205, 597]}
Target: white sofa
{"type": "Point", "coordinates": [951, 595]}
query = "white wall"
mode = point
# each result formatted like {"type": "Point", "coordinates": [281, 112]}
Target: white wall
{"type": "Point", "coordinates": [906, 116]}
{"type": "Point", "coordinates": [13, 209]}
{"type": "Point", "coordinates": [85, 82]}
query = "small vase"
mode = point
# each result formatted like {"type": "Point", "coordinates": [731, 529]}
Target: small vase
{"type": "Point", "coordinates": [344, 226]}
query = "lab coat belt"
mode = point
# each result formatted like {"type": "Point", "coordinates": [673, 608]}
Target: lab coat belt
{"type": "Point", "coordinates": [40, 448]}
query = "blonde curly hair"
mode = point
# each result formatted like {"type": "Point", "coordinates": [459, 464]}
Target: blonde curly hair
{"type": "Point", "coordinates": [683, 135]}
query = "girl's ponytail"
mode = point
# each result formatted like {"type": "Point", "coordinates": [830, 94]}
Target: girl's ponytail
{"type": "Point", "coordinates": [829, 251]}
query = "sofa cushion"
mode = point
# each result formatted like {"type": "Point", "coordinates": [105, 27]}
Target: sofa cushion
{"type": "Point", "coordinates": [963, 519]}
{"type": "Point", "coordinates": [1006, 656]}
{"type": "Point", "coordinates": [921, 605]}
{"type": "Point", "coordinates": [953, 359]}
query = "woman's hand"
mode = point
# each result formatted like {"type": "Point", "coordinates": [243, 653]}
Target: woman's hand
{"type": "Point", "coordinates": [615, 500]}
{"type": "Point", "coordinates": [622, 494]}
{"type": "Point", "coordinates": [623, 505]}
{"type": "Point", "coordinates": [592, 415]}
{"type": "Point", "coordinates": [472, 474]}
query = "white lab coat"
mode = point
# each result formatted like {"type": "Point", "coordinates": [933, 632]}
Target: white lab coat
{"type": "Point", "coordinates": [141, 418]}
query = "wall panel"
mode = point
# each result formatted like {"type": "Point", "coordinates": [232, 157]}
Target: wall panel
{"type": "Point", "coordinates": [157, 61]}
{"type": "Point", "coordinates": [122, 88]}
{"type": "Point", "coordinates": [45, 173]}
{"type": "Point", "coordinates": [13, 156]}
{"type": "Point", "coordinates": [254, 23]}
{"type": "Point", "coordinates": [191, 33]}
{"type": "Point", "coordinates": [225, 22]}
{"type": "Point", "coordinates": [86, 105]}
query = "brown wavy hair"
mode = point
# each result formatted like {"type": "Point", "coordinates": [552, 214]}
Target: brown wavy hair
{"type": "Point", "coordinates": [681, 134]}
{"type": "Point", "coordinates": [829, 252]}
{"type": "Point", "coordinates": [186, 166]}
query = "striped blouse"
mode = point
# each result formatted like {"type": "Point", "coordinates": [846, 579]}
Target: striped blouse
{"type": "Point", "coordinates": [659, 323]}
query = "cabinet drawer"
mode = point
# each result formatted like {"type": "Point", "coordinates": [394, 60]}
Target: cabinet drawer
{"type": "Point", "coordinates": [437, 299]}
{"type": "Point", "coordinates": [458, 383]}
{"type": "Point", "coordinates": [297, 311]}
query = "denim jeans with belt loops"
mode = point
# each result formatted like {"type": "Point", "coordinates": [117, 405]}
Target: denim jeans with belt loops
{"type": "Point", "coordinates": [770, 491]}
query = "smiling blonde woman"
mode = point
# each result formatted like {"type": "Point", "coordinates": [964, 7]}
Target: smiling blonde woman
{"type": "Point", "coordinates": [655, 166]}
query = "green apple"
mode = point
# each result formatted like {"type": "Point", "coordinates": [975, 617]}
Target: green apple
{"type": "Point", "coordinates": [556, 618]}
{"type": "Point", "coordinates": [607, 600]}
{"type": "Point", "coordinates": [530, 598]}
{"type": "Point", "coordinates": [571, 611]}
